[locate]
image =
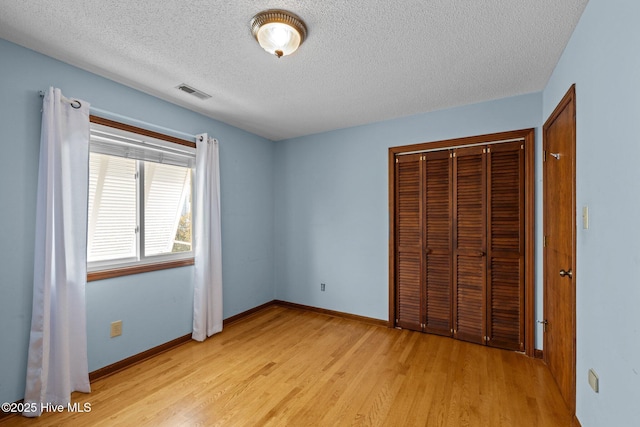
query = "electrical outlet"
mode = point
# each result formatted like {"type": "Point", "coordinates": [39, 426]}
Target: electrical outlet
{"type": "Point", "coordinates": [594, 381]}
{"type": "Point", "coordinates": [322, 287]}
{"type": "Point", "coordinates": [116, 328]}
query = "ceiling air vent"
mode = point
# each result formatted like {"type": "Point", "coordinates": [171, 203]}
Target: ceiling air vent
{"type": "Point", "coordinates": [191, 91]}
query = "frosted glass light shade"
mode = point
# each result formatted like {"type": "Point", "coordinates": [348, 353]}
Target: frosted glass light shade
{"type": "Point", "coordinates": [278, 32]}
{"type": "Point", "coordinates": [278, 39]}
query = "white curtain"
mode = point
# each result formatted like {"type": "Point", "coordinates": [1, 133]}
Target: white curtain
{"type": "Point", "coordinates": [207, 296]}
{"type": "Point", "coordinates": [57, 363]}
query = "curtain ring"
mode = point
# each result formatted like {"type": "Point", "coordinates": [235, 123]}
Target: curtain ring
{"type": "Point", "coordinates": [74, 102]}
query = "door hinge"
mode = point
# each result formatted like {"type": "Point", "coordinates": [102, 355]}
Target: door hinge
{"type": "Point", "coordinates": [544, 241]}
{"type": "Point", "coordinates": [544, 158]}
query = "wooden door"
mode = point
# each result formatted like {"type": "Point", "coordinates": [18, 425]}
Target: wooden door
{"type": "Point", "coordinates": [409, 252]}
{"type": "Point", "coordinates": [505, 245]}
{"type": "Point", "coordinates": [469, 242]}
{"type": "Point", "coordinates": [437, 241]}
{"type": "Point", "coordinates": [559, 247]}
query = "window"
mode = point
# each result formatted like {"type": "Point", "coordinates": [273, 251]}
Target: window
{"type": "Point", "coordinates": [140, 199]}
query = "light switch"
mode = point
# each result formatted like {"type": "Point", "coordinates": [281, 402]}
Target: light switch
{"type": "Point", "coordinates": [585, 217]}
{"type": "Point", "coordinates": [593, 380]}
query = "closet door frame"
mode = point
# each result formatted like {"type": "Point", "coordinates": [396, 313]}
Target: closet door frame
{"type": "Point", "coordinates": [528, 138]}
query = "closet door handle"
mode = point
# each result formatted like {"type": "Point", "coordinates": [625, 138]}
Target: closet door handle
{"type": "Point", "coordinates": [566, 273]}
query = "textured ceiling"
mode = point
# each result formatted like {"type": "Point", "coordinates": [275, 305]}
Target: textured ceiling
{"type": "Point", "coordinates": [363, 61]}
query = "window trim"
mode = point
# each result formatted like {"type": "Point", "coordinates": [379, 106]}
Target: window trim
{"type": "Point", "coordinates": [118, 271]}
{"type": "Point", "coordinates": [129, 128]}
{"type": "Point", "coordinates": [139, 268]}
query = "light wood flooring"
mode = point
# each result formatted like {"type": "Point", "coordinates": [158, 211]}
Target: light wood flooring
{"type": "Point", "coordinates": [289, 367]}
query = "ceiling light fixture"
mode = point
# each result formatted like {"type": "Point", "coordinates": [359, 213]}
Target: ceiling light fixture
{"type": "Point", "coordinates": [279, 32]}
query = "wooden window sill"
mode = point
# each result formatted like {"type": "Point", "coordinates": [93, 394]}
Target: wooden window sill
{"type": "Point", "coordinates": [136, 269]}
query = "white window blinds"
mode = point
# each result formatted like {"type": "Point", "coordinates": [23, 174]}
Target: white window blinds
{"type": "Point", "coordinates": [112, 208]}
{"type": "Point", "coordinates": [139, 199]}
{"type": "Point", "coordinates": [130, 145]}
{"type": "Point", "coordinates": [167, 191]}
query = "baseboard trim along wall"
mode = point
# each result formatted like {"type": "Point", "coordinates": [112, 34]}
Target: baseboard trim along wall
{"type": "Point", "coordinates": [240, 316]}
{"type": "Point", "coordinates": [364, 319]}
{"type": "Point", "coordinates": [137, 358]}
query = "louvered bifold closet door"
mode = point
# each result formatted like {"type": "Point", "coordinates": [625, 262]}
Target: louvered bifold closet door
{"type": "Point", "coordinates": [505, 231]}
{"type": "Point", "coordinates": [469, 234]}
{"type": "Point", "coordinates": [437, 168]}
{"type": "Point", "coordinates": [409, 266]}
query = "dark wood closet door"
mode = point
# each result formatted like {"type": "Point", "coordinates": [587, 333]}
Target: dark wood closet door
{"type": "Point", "coordinates": [437, 241]}
{"type": "Point", "coordinates": [461, 242]}
{"type": "Point", "coordinates": [469, 234]}
{"type": "Point", "coordinates": [505, 248]}
{"type": "Point", "coordinates": [409, 253]}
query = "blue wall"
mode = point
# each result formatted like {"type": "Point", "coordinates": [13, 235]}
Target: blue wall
{"type": "Point", "coordinates": [154, 307]}
{"type": "Point", "coordinates": [603, 60]}
{"type": "Point", "coordinates": [332, 219]}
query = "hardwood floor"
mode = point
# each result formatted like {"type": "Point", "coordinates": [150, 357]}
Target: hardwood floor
{"type": "Point", "coordinates": [289, 367]}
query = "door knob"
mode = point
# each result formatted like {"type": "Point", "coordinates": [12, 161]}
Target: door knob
{"type": "Point", "coordinates": [566, 273]}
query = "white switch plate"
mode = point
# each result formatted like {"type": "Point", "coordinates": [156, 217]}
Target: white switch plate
{"type": "Point", "coordinates": [593, 380]}
{"type": "Point", "coordinates": [585, 217]}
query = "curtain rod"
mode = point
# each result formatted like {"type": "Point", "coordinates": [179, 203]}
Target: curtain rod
{"type": "Point", "coordinates": [130, 120]}
{"type": "Point", "coordinates": [459, 146]}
